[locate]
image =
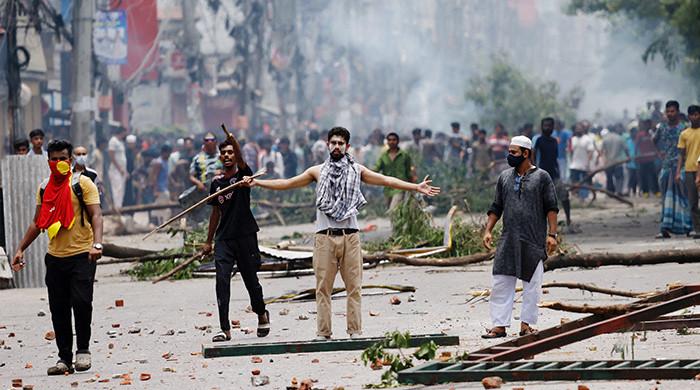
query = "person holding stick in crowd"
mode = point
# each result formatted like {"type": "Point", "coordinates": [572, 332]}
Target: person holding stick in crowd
{"type": "Point", "coordinates": [233, 229]}
{"type": "Point", "coordinates": [337, 241]}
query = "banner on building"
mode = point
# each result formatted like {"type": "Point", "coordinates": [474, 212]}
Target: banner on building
{"type": "Point", "coordinates": [110, 37]}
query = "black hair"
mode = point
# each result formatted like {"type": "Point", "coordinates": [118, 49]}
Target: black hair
{"type": "Point", "coordinates": [428, 133]}
{"type": "Point", "coordinates": [36, 133]}
{"type": "Point", "coordinates": [21, 142]}
{"type": "Point", "coordinates": [454, 125]}
{"type": "Point", "coordinates": [417, 130]}
{"type": "Point", "coordinates": [225, 143]}
{"type": "Point", "coordinates": [693, 109]}
{"type": "Point", "coordinates": [313, 135]}
{"type": "Point", "coordinates": [673, 103]}
{"type": "Point", "coordinates": [341, 131]}
{"type": "Point", "coordinates": [482, 131]}
{"type": "Point", "coordinates": [474, 125]}
{"type": "Point", "coordinates": [392, 134]}
{"type": "Point", "coordinates": [58, 145]}
{"type": "Point", "coordinates": [547, 119]}
{"type": "Point", "coordinates": [284, 140]}
{"type": "Point", "coordinates": [166, 148]}
{"type": "Point", "coordinates": [188, 138]}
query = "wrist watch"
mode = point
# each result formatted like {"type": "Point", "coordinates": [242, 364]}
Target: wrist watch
{"type": "Point", "coordinates": [97, 246]}
{"type": "Point", "coordinates": [553, 235]}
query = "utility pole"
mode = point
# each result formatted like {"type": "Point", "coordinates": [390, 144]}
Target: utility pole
{"type": "Point", "coordinates": [82, 113]}
{"type": "Point", "coordinates": [14, 82]}
{"type": "Point", "coordinates": [191, 52]}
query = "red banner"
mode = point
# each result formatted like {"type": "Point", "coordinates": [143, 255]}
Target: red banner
{"type": "Point", "coordinates": [142, 30]}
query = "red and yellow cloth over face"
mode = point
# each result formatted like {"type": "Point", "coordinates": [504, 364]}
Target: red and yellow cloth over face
{"type": "Point", "coordinates": [56, 204]}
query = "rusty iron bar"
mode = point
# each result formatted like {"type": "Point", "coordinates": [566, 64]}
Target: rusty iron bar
{"type": "Point", "coordinates": [439, 372]}
{"type": "Point", "coordinates": [518, 347]}
{"type": "Point", "coordinates": [688, 321]}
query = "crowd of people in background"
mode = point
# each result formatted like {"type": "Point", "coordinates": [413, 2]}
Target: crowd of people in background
{"type": "Point", "coordinates": [145, 169]}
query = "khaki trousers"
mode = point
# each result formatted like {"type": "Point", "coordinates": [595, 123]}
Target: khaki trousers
{"type": "Point", "coordinates": [333, 254]}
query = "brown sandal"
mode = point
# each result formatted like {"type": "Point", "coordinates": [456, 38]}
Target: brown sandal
{"type": "Point", "coordinates": [529, 330]}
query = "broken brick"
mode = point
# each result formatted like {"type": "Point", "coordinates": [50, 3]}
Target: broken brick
{"type": "Point", "coordinates": [394, 300]}
{"type": "Point", "coordinates": [17, 383]}
{"type": "Point", "coordinates": [255, 372]}
{"type": "Point", "coordinates": [74, 384]}
{"type": "Point", "coordinates": [115, 325]}
{"type": "Point", "coordinates": [583, 387]}
{"type": "Point", "coordinates": [119, 303]}
{"type": "Point", "coordinates": [256, 359]}
{"type": "Point", "coordinates": [11, 334]}
{"type": "Point", "coordinates": [492, 382]}
{"type": "Point", "coordinates": [144, 376]}
{"type": "Point", "coordinates": [103, 380]}
{"type": "Point", "coordinates": [110, 346]}
{"type": "Point", "coordinates": [373, 314]}
{"type": "Point", "coordinates": [315, 361]}
{"type": "Point", "coordinates": [167, 355]}
{"type": "Point", "coordinates": [28, 365]}
{"type": "Point", "coordinates": [50, 335]}
{"type": "Point", "coordinates": [235, 323]}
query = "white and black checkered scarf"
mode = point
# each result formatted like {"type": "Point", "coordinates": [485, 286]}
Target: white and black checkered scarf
{"type": "Point", "coordinates": [338, 192]}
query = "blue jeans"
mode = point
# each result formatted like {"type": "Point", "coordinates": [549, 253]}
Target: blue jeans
{"type": "Point", "coordinates": [576, 177]}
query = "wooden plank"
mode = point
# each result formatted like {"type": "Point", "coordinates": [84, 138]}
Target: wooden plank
{"type": "Point", "coordinates": [221, 350]}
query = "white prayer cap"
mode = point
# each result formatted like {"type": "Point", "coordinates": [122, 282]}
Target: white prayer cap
{"type": "Point", "coordinates": [180, 141]}
{"type": "Point", "coordinates": [522, 141]}
{"type": "Point", "coordinates": [131, 138]}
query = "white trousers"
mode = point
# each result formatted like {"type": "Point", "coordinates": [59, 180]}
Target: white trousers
{"type": "Point", "coordinates": [503, 294]}
{"type": "Point", "coordinates": [118, 185]}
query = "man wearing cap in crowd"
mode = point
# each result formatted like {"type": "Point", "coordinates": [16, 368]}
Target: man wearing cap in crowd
{"type": "Point", "coordinates": [526, 199]}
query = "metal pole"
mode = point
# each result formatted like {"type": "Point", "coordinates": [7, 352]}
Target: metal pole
{"type": "Point", "coordinates": [82, 114]}
{"type": "Point", "coordinates": [14, 81]}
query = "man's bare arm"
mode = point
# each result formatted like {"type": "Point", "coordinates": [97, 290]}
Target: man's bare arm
{"type": "Point", "coordinates": [377, 179]}
{"type": "Point", "coordinates": [298, 181]}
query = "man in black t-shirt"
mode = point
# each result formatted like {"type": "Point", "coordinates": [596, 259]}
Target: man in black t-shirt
{"type": "Point", "coordinates": [233, 228]}
{"type": "Point", "coordinates": [546, 157]}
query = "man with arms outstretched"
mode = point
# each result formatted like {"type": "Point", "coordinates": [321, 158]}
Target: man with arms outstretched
{"type": "Point", "coordinates": [337, 241]}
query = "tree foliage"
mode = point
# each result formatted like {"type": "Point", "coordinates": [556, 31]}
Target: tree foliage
{"type": "Point", "coordinates": [509, 96]}
{"type": "Point", "coordinates": [671, 24]}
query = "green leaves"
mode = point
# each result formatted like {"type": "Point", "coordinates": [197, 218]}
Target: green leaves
{"type": "Point", "coordinates": [426, 351]}
{"type": "Point", "coordinates": [376, 357]}
{"type": "Point", "coordinates": [509, 96]}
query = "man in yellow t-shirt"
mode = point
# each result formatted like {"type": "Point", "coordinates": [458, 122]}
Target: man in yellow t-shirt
{"type": "Point", "coordinates": [75, 232]}
{"type": "Point", "coordinates": [689, 151]}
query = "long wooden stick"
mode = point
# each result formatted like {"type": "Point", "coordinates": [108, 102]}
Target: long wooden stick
{"type": "Point", "coordinates": [593, 288]}
{"type": "Point", "coordinates": [573, 187]}
{"type": "Point", "coordinates": [201, 202]}
{"type": "Point", "coordinates": [196, 256]}
{"type": "Point", "coordinates": [607, 310]}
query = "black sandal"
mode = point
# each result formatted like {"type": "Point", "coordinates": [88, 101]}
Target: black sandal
{"type": "Point", "coordinates": [220, 337]}
{"type": "Point", "coordinates": [492, 334]}
{"type": "Point", "coordinates": [264, 327]}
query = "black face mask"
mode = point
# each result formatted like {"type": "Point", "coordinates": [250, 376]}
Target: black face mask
{"type": "Point", "coordinates": [515, 161]}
